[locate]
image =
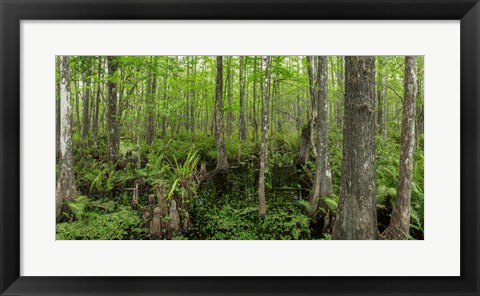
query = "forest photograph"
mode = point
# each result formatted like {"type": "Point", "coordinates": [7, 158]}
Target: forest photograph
{"type": "Point", "coordinates": [239, 147]}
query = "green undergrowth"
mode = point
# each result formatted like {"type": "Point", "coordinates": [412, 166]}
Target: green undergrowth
{"type": "Point", "coordinates": [237, 218]}
{"type": "Point", "coordinates": [101, 220]}
{"type": "Point", "coordinates": [225, 208]}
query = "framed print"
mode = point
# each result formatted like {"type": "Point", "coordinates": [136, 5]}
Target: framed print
{"type": "Point", "coordinates": [200, 147]}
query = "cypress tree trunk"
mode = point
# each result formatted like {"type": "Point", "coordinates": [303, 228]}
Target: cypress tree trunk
{"type": "Point", "coordinates": [400, 220]}
{"type": "Point", "coordinates": [97, 104]}
{"type": "Point", "coordinates": [356, 214]}
{"type": "Point", "coordinates": [150, 133]}
{"type": "Point", "coordinates": [112, 120]}
{"type": "Point", "coordinates": [323, 176]}
{"type": "Point", "coordinates": [66, 179]}
{"type": "Point", "coordinates": [241, 120]}
{"type": "Point", "coordinates": [230, 96]}
{"type": "Point", "coordinates": [313, 96]}
{"type": "Point", "coordinates": [262, 208]}
{"type": "Point", "coordinates": [255, 123]}
{"type": "Point", "coordinates": [385, 108]}
{"type": "Point", "coordinates": [222, 162]}
{"type": "Point", "coordinates": [86, 107]}
{"type": "Point", "coordinates": [165, 105]}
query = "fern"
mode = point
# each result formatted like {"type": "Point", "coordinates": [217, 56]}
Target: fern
{"type": "Point", "coordinates": [78, 205]}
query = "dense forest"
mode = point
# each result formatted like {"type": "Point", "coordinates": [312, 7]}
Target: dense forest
{"type": "Point", "coordinates": [239, 147]}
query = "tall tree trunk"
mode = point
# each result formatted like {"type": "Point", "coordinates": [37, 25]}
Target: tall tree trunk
{"type": "Point", "coordinates": [306, 138]}
{"type": "Point", "coordinates": [187, 97]}
{"type": "Point", "coordinates": [165, 105]}
{"type": "Point", "coordinates": [150, 133]}
{"type": "Point", "coordinates": [400, 219]}
{"type": "Point", "coordinates": [192, 95]}
{"type": "Point", "coordinates": [262, 208]}
{"type": "Point", "coordinates": [77, 104]}
{"type": "Point", "coordinates": [323, 176]}
{"type": "Point", "coordinates": [385, 108]}
{"type": "Point", "coordinates": [222, 162]}
{"type": "Point", "coordinates": [86, 107]}
{"type": "Point", "coordinates": [255, 122]}
{"type": "Point", "coordinates": [112, 119]}
{"type": "Point", "coordinates": [241, 120]}
{"type": "Point", "coordinates": [313, 95]}
{"type": "Point", "coordinates": [66, 179]}
{"type": "Point", "coordinates": [340, 78]}
{"type": "Point", "coordinates": [97, 104]}
{"type": "Point", "coordinates": [379, 106]}
{"type": "Point", "coordinates": [356, 214]}
{"type": "Point", "coordinates": [230, 96]}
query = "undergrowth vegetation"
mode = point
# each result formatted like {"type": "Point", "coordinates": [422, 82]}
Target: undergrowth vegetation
{"type": "Point", "coordinates": [220, 208]}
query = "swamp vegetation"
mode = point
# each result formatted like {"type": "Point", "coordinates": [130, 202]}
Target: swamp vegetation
{"type": "Point", "coordinates": [239, 147]}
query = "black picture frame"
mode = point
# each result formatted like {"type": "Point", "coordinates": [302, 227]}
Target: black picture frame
{"type": "Point", "coordinates": [13, 11]}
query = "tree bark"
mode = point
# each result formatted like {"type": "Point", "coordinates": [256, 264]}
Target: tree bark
{"type": "Point", "coordinates": [262, 208]}
{"type": "Point", "coordinates": [400, 219]}
{"type": "Point", "coordinates": [356, 214]}
{"type": "Point", "coordinates": [230, 96]}
{"type": "Point", "coordinates": [97, 104]}
{"type": "Point", "coordinates": [241, 120]}
{"type": "Point", "coordinates": [313, 95]}
{"type": "Point", "coordinates": [192, 95]}
{"type": "Point", "coordinates": [303, 153]}
{"type": "Point", "coordinates": [112, 119]}
{"type": "Point", "coordinates": [340, 79]}
{"type": "Point", "coordinates": [385, 108]}
{"type": "Point", "coordinates": [165, 105]}
{"type": "Point", "coordinates": [255, 122]}
{"type": "Point", "coordinates": [66, 179]}
{"type": "Point", "coordinates": [323, 176]}
{"type": "Point", "coordinates": [222, 162]}
{"type": "Point", "coordinates": [86, 107]}
{"type": "Point", "coordinates": [150, 133]}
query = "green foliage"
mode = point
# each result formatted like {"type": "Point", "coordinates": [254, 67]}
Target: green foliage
{"type": "Point", "coordinates": [78, 205]}
{"type": "Point", "coordinates": [232, 223]}
{"type": "Point", "coordinates": [181, 176]}
{"type": "Point", "coordinates": [122, 224]}
{"type": "Point", "coordinates": [327, 236]}
{"type": "Point", "coordinates": [184, 99]}
{"type": "Point", "coordinates": [332, 203]}
{"type": "Point", "coordinates": [388, 155]}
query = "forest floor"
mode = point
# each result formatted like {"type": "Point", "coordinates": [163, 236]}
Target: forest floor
{"type": "Point", "coordinates": [224, 207]}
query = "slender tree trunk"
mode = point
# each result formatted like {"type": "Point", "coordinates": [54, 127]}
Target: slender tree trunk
{"type": "Point", "coordinates": [323, 176]}
{"type": "Point", "coordinates": [66, 179]}
{"type": "Point", "coordinates": [400, 219]}
{"type": "Point", "coordinates": [262, 208]}
{"type": "Point", "coordinates": [313, 95]}
{"type": "Point", "coordinates": [356, 214]}
{"type": "Point", "coordinates": [222, 162]}
{"type": "Point", "coordinates": [152, 87]}
{"type": "Point", "coordinates": [165, 105]}
{"type": "Point", "coordinates": [241, 120]}
{"type": "Point", "coordinates": [97, 104]}
{"type": "Point", "coordinates": [385, 108]}
{"type": "Point", "coordinates": [112, 119]}
{"type": "Point", "coordinates": [340, 79]}
{"type": "Point", "coordinates": [229, 95]}
{"type": "Point", "coordinates": [86, 107]}
{"type": "Point", "coordinates": [192, 96]}
{"type": "Point", "coordinates": [255, 123]}
{"type": "Point", "coordinates": [77, 104]}
{"type": "Point", "coordinates": [306, 138]}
